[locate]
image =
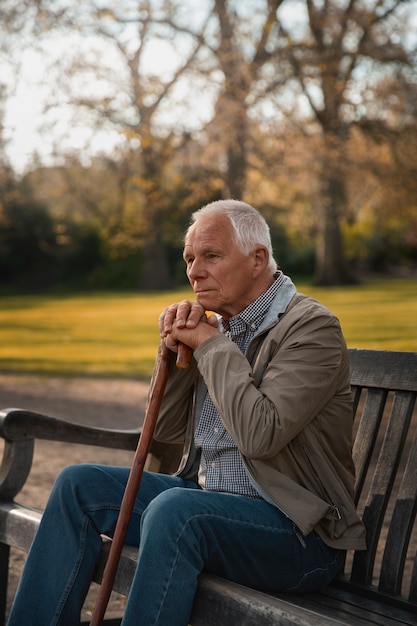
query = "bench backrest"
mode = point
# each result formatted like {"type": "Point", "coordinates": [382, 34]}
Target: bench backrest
{"type": "Point", "coordinates": [384, 385]}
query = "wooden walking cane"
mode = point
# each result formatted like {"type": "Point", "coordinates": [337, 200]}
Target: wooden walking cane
{"type": "Point", "coordinates": [135, 475]}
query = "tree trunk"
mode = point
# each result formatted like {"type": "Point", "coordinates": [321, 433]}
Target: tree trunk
{"type": "Point", "coordinates": [155, 274]}
{"type": "Point", "coordinates": [331, 266]}
{"type": "Point", "coordinates": [235, 138]}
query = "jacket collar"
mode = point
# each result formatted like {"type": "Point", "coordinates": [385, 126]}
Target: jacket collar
{"type": "Point", "coordinates": [279, 305]}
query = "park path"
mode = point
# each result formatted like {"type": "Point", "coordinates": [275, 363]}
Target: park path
{"type": "Point", "coordinates": [91, 401]}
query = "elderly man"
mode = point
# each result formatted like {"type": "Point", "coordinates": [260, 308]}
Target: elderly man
{"type": "Point", "coordinates": [263, 495]}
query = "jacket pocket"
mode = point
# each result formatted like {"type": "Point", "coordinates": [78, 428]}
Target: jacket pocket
{"type": "Point", "coordinates": [321, 486]}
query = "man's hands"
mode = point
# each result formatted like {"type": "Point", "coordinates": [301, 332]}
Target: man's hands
{"type": "Point", "coordinates": [186, 322]}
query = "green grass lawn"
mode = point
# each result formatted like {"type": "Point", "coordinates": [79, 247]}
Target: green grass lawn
{"type": "Point", "coordinates": [109, 334]}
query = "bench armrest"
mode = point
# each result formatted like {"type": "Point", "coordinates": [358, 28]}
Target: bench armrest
{"type": "Point", "coordinates": [23, 425]}
{"type": "Point", "coordinates": [19, 428]}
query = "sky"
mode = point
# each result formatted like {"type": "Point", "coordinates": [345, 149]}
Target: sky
{"type": "Point", "coordinates": [25, 117]}
{"type": "Point", "coordinates": [24, 114]}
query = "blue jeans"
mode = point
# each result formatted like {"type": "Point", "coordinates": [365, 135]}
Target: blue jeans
{"type": "Point", "coordinates": [180, 529]}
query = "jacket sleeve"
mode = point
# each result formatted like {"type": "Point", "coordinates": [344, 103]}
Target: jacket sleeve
{"type": "Point", "coordinates": [300, 366]}
{"type": "Point", "coordinates": [176, 403]}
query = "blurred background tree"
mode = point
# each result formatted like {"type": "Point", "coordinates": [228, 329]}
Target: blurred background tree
{"type": "Point", "coordinates": [305, 108]}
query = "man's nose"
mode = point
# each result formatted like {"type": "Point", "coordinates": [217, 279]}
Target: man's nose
{"type": "Point", "coordinates": [196, 269]}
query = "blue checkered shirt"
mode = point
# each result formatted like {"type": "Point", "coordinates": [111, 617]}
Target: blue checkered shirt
{"type": "Point", "coordinates": [221, 465]}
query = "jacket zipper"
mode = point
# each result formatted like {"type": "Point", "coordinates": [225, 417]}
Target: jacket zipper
{"type": "Point", "coordinates": [337, 513]}
{"type": "Point", "coordinates": [299, 535]}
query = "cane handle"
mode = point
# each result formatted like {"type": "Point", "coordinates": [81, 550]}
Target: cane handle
{"type": "Point", "coordinates": [184, 356]}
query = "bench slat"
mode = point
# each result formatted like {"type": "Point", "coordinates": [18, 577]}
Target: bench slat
{"type": "Point", "coordinates": [400, 529]}
{"type": "Point", "coordinates": [387, 369]}
{"type": "Point", "coordinates": [223, 602]}
{"type": "Point", "coordinates": [367, 434]}
{"type": "Point", "coordinates": [18, 524]}
{"type": "Point", "coordinates": [380, 490]}
{"type": "Point", "coordinates": [350, 609]}
{"type": "Point", "coordinates": [413, 586]}
{"type": "Point", "coordinates": [361, 601]}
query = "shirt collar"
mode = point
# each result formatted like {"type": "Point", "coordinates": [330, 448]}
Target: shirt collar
{"type": "Point", "coordinates": [252, 317]}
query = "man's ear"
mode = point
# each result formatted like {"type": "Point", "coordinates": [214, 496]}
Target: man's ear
{"type": "Point", "coordinates": [261, 259]}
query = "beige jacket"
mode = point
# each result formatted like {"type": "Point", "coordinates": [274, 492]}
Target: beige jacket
{"type": "Point", "coordinates": [287, 405]}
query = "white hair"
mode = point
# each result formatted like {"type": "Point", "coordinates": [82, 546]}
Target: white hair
{"type": "Point", "coordinates": [249, 227]}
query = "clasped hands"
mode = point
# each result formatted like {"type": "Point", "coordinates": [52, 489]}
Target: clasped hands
{"type": "Point", "coordinates": [186, 322]}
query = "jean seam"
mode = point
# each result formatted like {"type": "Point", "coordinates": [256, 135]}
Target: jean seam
{"type": "Point", "coordinates": [306, 575]}
{"type": "Point", "coordinates": [187, 523]}
{"type": "Point", "coordinates": [74, 572]}
{"type": "Point", "coordinates": [108, 507]}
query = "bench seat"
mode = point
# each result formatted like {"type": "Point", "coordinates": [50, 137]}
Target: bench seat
{"type": "Point", "coordinates": [221, 601]}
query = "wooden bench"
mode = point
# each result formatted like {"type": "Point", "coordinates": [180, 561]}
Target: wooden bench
{"type": "Point", "coordinates": [377, 586]}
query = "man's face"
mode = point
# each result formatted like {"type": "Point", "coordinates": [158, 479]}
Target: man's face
{"type": "Point", "coordinates": [221, 276]}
